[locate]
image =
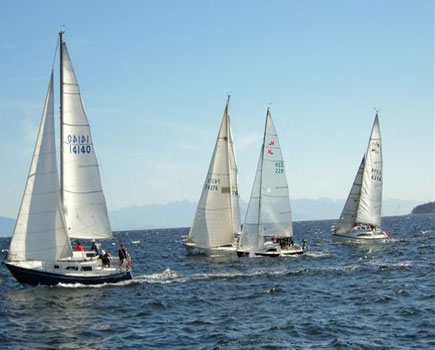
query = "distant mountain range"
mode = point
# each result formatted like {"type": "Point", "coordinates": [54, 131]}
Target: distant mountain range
{"type": "Point", "coordinates": [6, 226]}
{"type": "Point", "coordinates": [180, 213]}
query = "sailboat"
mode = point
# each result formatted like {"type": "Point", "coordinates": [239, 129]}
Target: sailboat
{"type": "Point", "coordinates": [361, 216]}
{"type": "Point", "coordinates": [53, 212]}
{"type": "Point", "coordinates": [268, 228]}
{"type": "Point", "coordinates": [217, 218]}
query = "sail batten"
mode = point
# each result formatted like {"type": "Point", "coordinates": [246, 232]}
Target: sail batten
{"type": "Point", "coordinates": [83, 198]}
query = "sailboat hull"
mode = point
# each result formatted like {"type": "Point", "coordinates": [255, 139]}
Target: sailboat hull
{"type": "Point", "coordinates": [361, 236]}
{"type": "Point", "coordinates": [295, 250]}
{"type": "Point", "coordinates": [272, 254]}
{"type": "Point", "coordinates": [36, 276]}
{"type": "Point", "coordinates": [194, 249]}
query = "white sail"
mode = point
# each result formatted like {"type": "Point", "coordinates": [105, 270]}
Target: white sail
{"type": "Point", "coordinates": [369, 209]}
{"type": "Point", "coordinates": [83, 198]}
{"type": "Point", "coordinates": [249, 239]}
{"type": "Point", "coordinates": [235, 200]}
{"type": "Point", "coordinates": [217, 212]}
{"type": "Point", "coordinates": [348, 216]}
{"type": "Point", "coordinates": [40, 232]}
{"type": "Point", "coordinates": [275, 199]}
{"type": "Point", "coordinates": [269, 211]}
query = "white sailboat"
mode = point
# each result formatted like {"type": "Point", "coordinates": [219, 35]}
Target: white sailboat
{"type": "Point", "coordinates": [268, 228]}
{"type": "Point", "coordinates": [217, 217]}
{"type": "Point", "coordinates": [361, 216]}
{"type": "Point", "coordinates": [51, 213]}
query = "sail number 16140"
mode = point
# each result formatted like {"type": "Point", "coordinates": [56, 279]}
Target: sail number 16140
{"type": "Point", "coordinates": [79, 144]}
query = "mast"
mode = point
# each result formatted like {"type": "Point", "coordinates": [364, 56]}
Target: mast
{"type": "Point", "coordinates": [61, 111]}
{"type": "Point", "coordinates": [228, 159]}
{"type": "Point", "coordinates": [261, 176]}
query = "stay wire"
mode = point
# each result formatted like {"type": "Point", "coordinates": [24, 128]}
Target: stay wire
{"type": "Point", "coordinates": [55, 55]}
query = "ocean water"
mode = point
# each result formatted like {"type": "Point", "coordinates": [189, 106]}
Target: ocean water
{"type": "Point", "coordinates": [334, 297]}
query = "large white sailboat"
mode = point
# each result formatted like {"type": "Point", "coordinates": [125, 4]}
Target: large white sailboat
{"type": "Point", "coordinates": [268, 228]}
{"type": "Point", "coordinates": [217, 217]}
{"type": "Point", "coordinates": [52, 213]}
{"type": "Point", "coordinates": [360, 220]}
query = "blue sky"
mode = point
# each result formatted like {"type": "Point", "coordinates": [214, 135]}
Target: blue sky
{"type": "Point", "coordinates": [154, 77]}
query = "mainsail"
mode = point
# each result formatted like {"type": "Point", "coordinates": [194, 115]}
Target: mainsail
{"type": "Point", "coordinates": [269, 211]}
{"type": "Point", "coordinates": [83, 199]}
{"type": "Point", "coordinates": [369, 209]}
{"type": "Point", "coordinates": [40, 232]}
{"type": "Point", "coordinates": [217, 217]}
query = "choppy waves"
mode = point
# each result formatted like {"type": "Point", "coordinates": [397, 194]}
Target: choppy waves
{"type": "Point", "coordinates": [334, 296]}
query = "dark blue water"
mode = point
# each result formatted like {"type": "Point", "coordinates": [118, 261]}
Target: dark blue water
{"type": "Point", "coordinates": [334, 297]}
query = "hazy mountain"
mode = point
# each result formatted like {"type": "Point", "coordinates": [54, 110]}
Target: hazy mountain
{"type": "Point", "coordinates": [174, 214]}
{"type": "Point", "coordinates": [327, 208]}
{"type": "Point", "coordinates": [180, 213]}
{"type": "Point", "coordinates": [6, 226]}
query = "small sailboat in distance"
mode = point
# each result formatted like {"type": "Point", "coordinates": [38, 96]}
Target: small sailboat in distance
{"type": "Point", "coordinates": [51, 212]}
{"type": "Point", "coordinates": [217, 217]}
{"type": "Point", "coordinates": [268, 227]}
{"type": "Point", "coordinates": [360, 220]}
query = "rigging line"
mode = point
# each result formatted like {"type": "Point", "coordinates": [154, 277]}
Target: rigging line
{"type": "Point", "coordinates": [55, 54]}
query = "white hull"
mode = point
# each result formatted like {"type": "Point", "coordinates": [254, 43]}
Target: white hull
{"type": "Point", "coordinates": [359, 235]}
{"type": "Point", "coordinates": [78, 269]}
{"type": "Point", "coordinates": [194, 249]}
{"type": "Point", "coordinates": [295, 250]}
{"type": "Point", "coordinates": [273, 251]}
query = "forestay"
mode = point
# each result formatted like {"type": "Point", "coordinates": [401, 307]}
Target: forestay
{"type": "Point", "coordinates": [40, 232]}
{"type": "Point", "coordinates": [369, 210]}
{"type": "Point", "coordinates": [217, 217]}
{"type": "Point", "coordinates": [83, 198]}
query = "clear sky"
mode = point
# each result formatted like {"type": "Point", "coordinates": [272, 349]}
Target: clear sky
{"type": "Point", "coordinates": [154, 77]}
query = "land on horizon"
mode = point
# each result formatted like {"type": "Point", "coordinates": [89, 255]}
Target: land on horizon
{"type": "Point", "coordinates": [180, 213]}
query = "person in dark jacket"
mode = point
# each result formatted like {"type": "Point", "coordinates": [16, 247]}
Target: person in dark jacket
{"type": "Point", "coordinates": [94, 246]}
{"type": "Point", "coordinates": [122, 253]}
{"type": "Point", "coordinates": [105, 258]}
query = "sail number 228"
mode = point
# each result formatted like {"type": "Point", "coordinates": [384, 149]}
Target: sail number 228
{"type": "Point", "coordinates": [279, 167]}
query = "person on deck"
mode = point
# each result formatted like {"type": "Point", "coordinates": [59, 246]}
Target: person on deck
{"type": "Point", "coordinates": [94, 246]}
{"type": "Point", "coordinates": [122, 253]}
{"type": "Point", "coordinates": [79, 247]}
{"type": "Point", "coordinates": [105, 258]}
